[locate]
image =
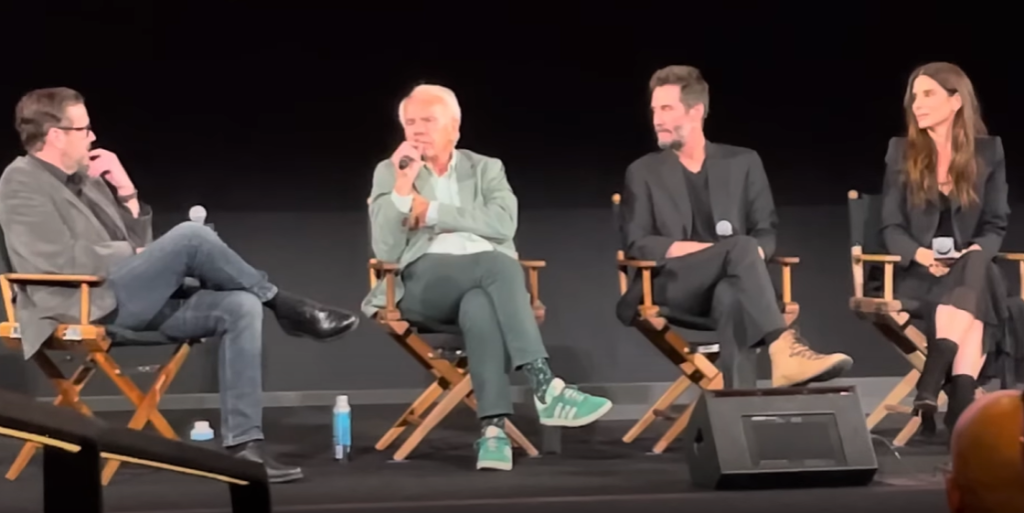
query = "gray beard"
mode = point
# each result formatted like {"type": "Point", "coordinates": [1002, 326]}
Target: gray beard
{"type": "Point", "coordinates": [674, 145]}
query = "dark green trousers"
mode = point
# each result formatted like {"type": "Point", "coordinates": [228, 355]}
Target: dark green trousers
{"type": "Point", "coordinates": [485, 295]}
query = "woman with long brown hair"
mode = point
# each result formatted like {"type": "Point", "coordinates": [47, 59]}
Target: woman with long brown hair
{"type": "Point", "coordinates": [945, 213]}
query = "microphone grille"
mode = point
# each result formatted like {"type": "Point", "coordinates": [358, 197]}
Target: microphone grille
{"type": "Point", "coordinates": [197, 214]}
{"type": "Point", "coordinates": [723, 228]}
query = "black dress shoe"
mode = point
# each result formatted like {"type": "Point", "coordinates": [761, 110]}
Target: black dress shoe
{"type": "Point", "coordinates": [276, 472]}
{"type": "Point", "coordinates": [301, 317]}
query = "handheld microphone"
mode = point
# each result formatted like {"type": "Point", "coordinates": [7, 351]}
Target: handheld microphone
{"type": "Point", "coordinates": [723, 228]}
{"type": "Point", "coordinates": [197, 214]}
{"type": "Point", "coordinates": [944, 247]}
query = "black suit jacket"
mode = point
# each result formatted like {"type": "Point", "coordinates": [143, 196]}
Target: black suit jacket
{"type": "Point", "coordinates": [656, 208]}
{"type": "Point", "coordinates": [905, 229]}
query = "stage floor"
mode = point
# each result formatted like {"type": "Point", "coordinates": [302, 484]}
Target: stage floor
{"type": "Point", "coordinates": [595, 472]}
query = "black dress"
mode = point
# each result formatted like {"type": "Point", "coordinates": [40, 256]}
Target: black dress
{"type": "Point", "coordinates": [974, 284]}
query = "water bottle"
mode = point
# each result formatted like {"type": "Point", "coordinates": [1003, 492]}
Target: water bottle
{"type": "Point", "coordinates": [342, 428]}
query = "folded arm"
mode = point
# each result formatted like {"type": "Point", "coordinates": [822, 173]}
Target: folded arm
{"type": "Point", "coordinates": [995, 211]}
{"type": "Point", "coordinates": [38, 241]}
{"type": "Point", "coordinates": [762, 220]}
{"type": "Point", "coordinates": [496, 219]}
{"type": "Point", "coordinates": [641, 238]}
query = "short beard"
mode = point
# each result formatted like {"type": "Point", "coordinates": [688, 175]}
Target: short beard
{"type": "Point", "coordinates": [674, 145]}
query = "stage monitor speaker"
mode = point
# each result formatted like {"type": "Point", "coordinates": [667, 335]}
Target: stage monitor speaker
{"type": "Point", "coordinates": [779, 438]}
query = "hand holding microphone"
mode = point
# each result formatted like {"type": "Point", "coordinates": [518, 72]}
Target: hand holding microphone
{"type": "Point", "coordinates": [407, 162]}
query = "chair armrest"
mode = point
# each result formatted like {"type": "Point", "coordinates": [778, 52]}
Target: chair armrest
{"type": "Point", "coordinates": [787, 263]}
{"type": "Point", "coordinates": [76, 279]}
{"type": "Point", "coordinates": [858, 272]}
{"type": "Point", "coordinates": [885, 259]}
{"type": "Point", "coordinates": [533, 268]}
{"type": "Point", "coordinates": [637, 264]}
{"type": "Point", "coordinates": [388, 270]}
{"type": "Point", "coordinates": [1013, 257]}
{"type": "Point", "coordinates": [377, 265]}
{"type": "Point", "coordinates": [83, 281]}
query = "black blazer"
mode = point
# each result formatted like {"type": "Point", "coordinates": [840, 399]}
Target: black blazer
{"type": "Point", "coordinates": [656, 208]}
{"type": "Point", "coordinates": [905, 229]}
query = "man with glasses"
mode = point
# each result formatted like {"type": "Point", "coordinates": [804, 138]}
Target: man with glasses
{"type": "Point", "coordinates": [68, 209]}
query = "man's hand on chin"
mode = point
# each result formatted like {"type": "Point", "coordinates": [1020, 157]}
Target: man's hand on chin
{"type": "Point", "coordinates": [418, 215]}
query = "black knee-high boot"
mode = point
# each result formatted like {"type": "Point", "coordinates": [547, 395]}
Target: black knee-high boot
{"type": "Point", "coordinates": [941, 353]}
{"type": "Point", "coordinates": [961, 390]}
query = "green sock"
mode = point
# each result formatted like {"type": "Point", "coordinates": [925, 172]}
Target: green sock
{"type": "Point", "coordinates": [540, 377]}
{"type": "Point", "coordinates": [497, 421]}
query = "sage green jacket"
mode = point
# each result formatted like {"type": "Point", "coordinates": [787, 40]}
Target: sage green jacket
{"type": "Point", "coordinates": [489, 209]}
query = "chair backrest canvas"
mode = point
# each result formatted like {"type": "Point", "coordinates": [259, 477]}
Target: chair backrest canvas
{"type": "Point", "coordinates": [865, 217]}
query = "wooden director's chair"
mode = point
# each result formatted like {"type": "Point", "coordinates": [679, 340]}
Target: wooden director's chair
{"type": "Point", "coordinates": [94, 342]}
{"type": "Point", "coordinates": [695, 359]}
{"type": "Point", "coordinates": [447, 362]}
{"type": "Point", "coordinates": [873, 301]}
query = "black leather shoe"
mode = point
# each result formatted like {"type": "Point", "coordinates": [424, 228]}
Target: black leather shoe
{"type": "Point", "coordinates": [301, 317]}
{"type": "Point", "coordinates": [276, 472]}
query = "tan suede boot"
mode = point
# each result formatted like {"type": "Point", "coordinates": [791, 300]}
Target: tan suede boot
{"type": "Point", "coordinates": [795, 364]}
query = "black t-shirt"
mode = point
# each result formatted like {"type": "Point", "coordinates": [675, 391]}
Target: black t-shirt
{"type": "Point", "coordinates": [700, 201]}
{"type": "Point", "coordinates": [945, 227]}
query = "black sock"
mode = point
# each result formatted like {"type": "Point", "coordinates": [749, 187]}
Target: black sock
{"type": "Point", "coordinates": [540, 377]}
{"type": "Point", "coordinates": [497, 421]}
{"type": "Point", "coordinates": [941, 353]}
{"type": "Point", "coordinates": [961, 390]}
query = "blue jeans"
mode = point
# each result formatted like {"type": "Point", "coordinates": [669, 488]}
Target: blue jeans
{"type": "Point", "coordinates": [229, 304]}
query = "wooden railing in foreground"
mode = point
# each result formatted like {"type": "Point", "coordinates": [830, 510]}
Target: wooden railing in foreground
{"type": "Point", "coordinates": [74, 444]}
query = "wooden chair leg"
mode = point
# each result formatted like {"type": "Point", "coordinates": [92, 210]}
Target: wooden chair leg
{"type": "Point", "coordinates": [896, 396]}
{"type": "Point", "coordinates": [68, 391]}
{"type": "Point", "coordinates": [715, 383]}
{"type": "Point", "coordinates": [663, 403]}
{"type": "Point", "coordinates": [412, 415]}
{"type": "Point", "coordinates": [455, 396]}
{"type": "Point", "coordinates": [515, 436]}
{"type": "Point", "coordinates": [146, 411]}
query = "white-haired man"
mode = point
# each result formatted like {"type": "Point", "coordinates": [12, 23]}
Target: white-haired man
{"type": "Point", "coordinates": [447, 217]}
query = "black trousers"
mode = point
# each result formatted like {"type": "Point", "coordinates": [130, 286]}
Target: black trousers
{"type": "Point", "coordinates": [726, 288]}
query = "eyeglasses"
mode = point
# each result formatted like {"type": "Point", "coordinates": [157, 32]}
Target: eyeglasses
{"type": "Point", "coordinates": [87, 128]}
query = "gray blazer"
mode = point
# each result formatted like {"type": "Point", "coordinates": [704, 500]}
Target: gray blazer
{"type": "Point", "coordinates": [488, 209]}
{"type": "Point", "coordinates": [905, 229]}
{"type": "Point", "coordinates": [48, 230]}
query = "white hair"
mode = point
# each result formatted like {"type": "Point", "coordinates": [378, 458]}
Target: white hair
{"type": "Point", "coordinates": [447, 97]}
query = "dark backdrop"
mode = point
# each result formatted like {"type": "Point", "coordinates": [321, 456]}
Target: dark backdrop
{"type": "Point", "coordinates": [275, 117]}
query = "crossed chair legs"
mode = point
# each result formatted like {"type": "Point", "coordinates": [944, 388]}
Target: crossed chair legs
{"type": "Point", "coordinates": [452, 378]}
{"type": "Point", "coordinates": [69, 389]}
{"type": "Point", "coordinates": [698, 368]}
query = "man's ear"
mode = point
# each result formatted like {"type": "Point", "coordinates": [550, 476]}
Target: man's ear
{"type": "Point", "coordinates": [953, 495]}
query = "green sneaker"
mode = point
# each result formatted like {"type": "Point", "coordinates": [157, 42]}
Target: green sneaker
{"type": "Point", "coordinates": [566, 406]}
{"type": "Point", "coordinates": [494, 450]}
